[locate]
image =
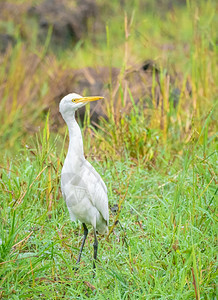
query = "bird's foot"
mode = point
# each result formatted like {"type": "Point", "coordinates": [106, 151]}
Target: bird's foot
{"type": "Point", "coordinates": [75, 269]}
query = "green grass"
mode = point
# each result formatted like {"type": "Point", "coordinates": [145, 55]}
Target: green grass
{"type": "Point", "coordinates": [158, 163]}
{"type": "Point", "coordinates": [162, 247]}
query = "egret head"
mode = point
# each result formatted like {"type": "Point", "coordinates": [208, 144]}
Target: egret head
{"type": "Point", "coordinates": [71, 102]}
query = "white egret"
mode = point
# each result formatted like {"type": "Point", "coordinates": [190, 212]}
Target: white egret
{"type": "Point", "coordinates": [82, 187]}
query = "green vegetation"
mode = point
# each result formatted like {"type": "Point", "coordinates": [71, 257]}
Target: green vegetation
{"type": "Point", "coordinates": [159, 164]}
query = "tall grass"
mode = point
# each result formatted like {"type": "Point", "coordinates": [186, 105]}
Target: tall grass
{"type": "Point", "coordinates": [163, 245]}
{"type": "Point", "coordinates": [158, 162]}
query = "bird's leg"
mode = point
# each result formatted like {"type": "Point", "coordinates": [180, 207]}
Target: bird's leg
{"type": "Point", "coordinates": [95, 245]}
{"type": "Point", "coordinates": [83, 242]}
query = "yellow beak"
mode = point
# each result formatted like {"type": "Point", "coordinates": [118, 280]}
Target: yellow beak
{"type": "Point", "coordinates": [87, 99]}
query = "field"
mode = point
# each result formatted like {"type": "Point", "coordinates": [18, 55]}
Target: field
{"type": "Point", "coordinates": [159, 160]}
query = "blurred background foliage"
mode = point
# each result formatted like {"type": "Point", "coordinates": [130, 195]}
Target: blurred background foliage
{"type": "Point", "coordinates": [159, 55]}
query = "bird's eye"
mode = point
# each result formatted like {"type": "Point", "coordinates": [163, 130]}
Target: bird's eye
{"type": "Point", "coordinates": [74, 100]}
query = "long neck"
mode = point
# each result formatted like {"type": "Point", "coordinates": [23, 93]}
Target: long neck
{"type": "Point", "coordinates": [75, 150]}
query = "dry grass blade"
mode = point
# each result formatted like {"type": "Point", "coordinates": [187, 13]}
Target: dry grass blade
{"type": "Point", "coordinates": [122, 198]}
{"type": "Point", "coordinates": [88, 284]}
{"type": "Point", "coordinates": [23, 240]}
{"type": "Point", "coordinates": [23, 195]}
{"type": "Point", "coordinates": [197, 296]}
{"type": "Point", "coordinates": [17, 259]}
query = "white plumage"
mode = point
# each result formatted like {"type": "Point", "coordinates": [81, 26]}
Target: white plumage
{"type": "Point", "coordinates": [82, 187]}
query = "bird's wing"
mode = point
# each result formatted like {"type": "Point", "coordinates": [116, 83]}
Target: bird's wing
{"type": "Point", "coordinates": [96, 189]}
